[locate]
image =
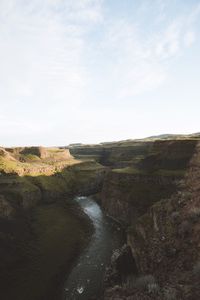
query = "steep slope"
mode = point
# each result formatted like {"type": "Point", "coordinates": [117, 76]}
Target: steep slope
{"type": "Point", "coordinates": [164, 242]}
{"type": "Point", "coordinates": [128, 192]}
{"type": "Point", "coordinates": [34, 175]}
{"type": "Point", "coordinates": [38, 217]}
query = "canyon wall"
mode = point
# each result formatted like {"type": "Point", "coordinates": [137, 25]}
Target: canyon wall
{"type": "Point", "coordinates": [126, 196]}
{"type": "Point", "coordinates": [129, 191]}
{"type": "Point", "coordinates": [42, 230]}
{"type": "Point", "coordinates": [151, 187]}
{"type": "Point", "coordinates": [29, 176]}
{"type": "Point", "coordinates": [161, 209]}
{"type": "Point", "coordinates": [165, 241]}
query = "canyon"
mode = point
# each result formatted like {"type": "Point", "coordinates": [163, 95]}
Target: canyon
{"type": "Point", "coordinates": [150, 187]}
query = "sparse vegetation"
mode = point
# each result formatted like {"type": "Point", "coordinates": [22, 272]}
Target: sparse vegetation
{"type": "Point", "coordinates": [196, 269]}
{"type": "Point", "coordinates": [27, 183]}
{"type": "Point", "coordinates": [170, 294]}
{"type": "Point", "coordinates": [175, 217]}
{"type": "Point", "coordinates": [35, 161]}
{"type": "Point", "coordinates": [29, 158]}
{"type": "Point", "coordinates": [153, 288]}
{"type": "Point", "coordinates": [185, 229]}
{"type": "Point", "coordinates": [146, 282]}
{"type": "Point", "coordinates": [140, 174]}
{"type": "Point", "coordinates": [194, 214]}
{"type": "Point", "coordinates": [128, 170]}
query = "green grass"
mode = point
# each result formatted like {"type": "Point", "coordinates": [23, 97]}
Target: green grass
{"type": "Point", "coordinates": [50, 183]}
{"type": "Point", "coordinates": [88, 166]}
{"type": "Point", "coordinates": [33, 166]}
{"type": "Point", "coordinates": [128, 170]}
{"type": "Point", "coordinates": [160, 172]}
{"type": "Point", "coordinates": [9, 166]}
{"type": "Point", "coordinates": [30, 158]}
{"type": "Point", "coordinates": [164, 172]}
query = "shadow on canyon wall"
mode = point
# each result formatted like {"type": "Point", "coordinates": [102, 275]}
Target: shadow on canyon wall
{"type": "Point", "coordinates": [131, 178]}
{"type": "Point", "coordinates": [42, 230]}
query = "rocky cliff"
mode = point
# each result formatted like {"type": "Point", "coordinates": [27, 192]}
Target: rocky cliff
{"type": "Point", "coordinates": [117, 154]}
{"type": "Point", "coordinates": [151, 186]}
{"type": "Point", "coordinates": [125, 196]}
{"type": "Point", "coordinates": [131, 152]}
{"type": "Point", "coordinates": [37, 219]}
{"type": "Point", "coordinates": [128, 192]}
{"type": "Point", "coordinates": [34, 175]}
{"type": "Point", "coordinates": [164, 237]}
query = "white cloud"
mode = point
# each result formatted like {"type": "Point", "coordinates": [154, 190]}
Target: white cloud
{"type": "Point", "coordinates": [42, 45]}
{"type": "Point", "coordinates": [55, 54]}
{"type": "Point", "coordinates": [44, 49]}
{"type": "Point", "coordinates": [139, 63]}
{"type": "Point", "coordinates": [189, 38]}
{"type": "Point", "coordinates": [43, 74]}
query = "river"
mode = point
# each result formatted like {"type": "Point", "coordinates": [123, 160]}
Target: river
{"type": "Point", "coordinates": [86, 278]}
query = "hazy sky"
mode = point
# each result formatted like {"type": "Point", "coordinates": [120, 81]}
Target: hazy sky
{"type": "Point", "coordinates": [98, 70]}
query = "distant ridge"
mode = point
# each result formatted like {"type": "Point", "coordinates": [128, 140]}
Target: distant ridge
{"type": "Point", "coordinates": [166, 136]}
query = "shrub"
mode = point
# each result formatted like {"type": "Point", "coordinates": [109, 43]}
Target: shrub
{"type": "Point", "coordinates": [175, 216]}
{"type": "Point", "coordinates": [147, 282]}
{"type": "Point", "coordinates": [129, 282]}
{"type": "Point", "coordinates": [153, 288]}
{"type": "Point", "coordinates": [184, 229]}
{"type": "Point", "coordinates": [170, 294]}
{"type": "Point", "coordinates": [187, 195]}
{"type": "Point", "coordinates": [194, 214]}
{"type": "Point", "coordinates": [196, 269]}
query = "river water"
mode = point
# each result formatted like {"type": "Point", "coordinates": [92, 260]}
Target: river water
{"type": "Point", "coordinates": [86, 278]}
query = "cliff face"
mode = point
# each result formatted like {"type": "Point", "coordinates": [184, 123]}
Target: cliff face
{"type": "Point", "coordinates": [34, 175]}
{"type": "Point", "coordinates": [161, 204]}
{"type": "Point", "coordinates": [151, 186]}
{"type": "Point", "coordinates": [117, 154]}
{"type": "Point", "coordinates": [128, 192]}
{"type": "Point", "coordinates": [34, 161]}
{"type": "Point", "coordinates": [165, 241]}
{"type": "Point", "coordinates": [36, 153]}
{"type": "Point", "coordinates": [32, 234]}
{"type": "Point", "coordinates": [126, 196]}
{"type": "Point", "coordinates": [166, 154]}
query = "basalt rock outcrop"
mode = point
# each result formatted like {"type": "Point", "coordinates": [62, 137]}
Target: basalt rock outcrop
{"type": "Point", "coordinates": [6, 210]}
{"type": "Point", "coordinates": [129, 153]}
{"type": "Point", "coordinates": [128, 192]}
{"type": "Point", "coordinates": [115, 155]}
{"type": "Point", "coordinates": [164, 237]}
{"type": "Point", "coordinates": [36, 153]}
{"type": "Point", "coordinates": [34, 175]}
{"type": "Point", "coordinates": [165, 241]}
{"type": "Point", "coordinates": [127, 196]}
{"type": "Point", "coordinates": [37, 219]}
{"type": "Point", "coordinates": [150, 186]}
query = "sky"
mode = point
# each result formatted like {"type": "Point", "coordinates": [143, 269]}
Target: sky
{"type": "Point", "coordinates": [98, 70]}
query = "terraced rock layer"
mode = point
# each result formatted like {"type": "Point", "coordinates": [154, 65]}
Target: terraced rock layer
{"type": "Point", "coordinates": [37, 219]}
{"type": "Point", "coordinates": [163, 231]}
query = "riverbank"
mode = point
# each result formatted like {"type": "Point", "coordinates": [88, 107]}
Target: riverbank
{"type": "Point", "coordinates": [42, 230]}
{"type": "Point", "coordinates": [86, 279]}
{"type": "Point", "coordinates": [53, 236]}
{"type": "Point", "coordinates": [140, 186]}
